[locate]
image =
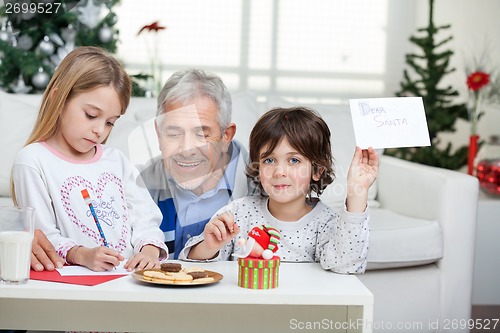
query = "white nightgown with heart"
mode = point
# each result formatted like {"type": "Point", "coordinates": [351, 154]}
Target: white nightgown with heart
{"type": "Point", "coordinates": [52, 184]}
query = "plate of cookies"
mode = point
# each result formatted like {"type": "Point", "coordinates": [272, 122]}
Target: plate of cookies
{"type": "Point", "coordinates": [175, 275]}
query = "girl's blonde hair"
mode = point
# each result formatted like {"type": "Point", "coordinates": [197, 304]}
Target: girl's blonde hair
{"type": "Point", "coordinates": [84, 69]}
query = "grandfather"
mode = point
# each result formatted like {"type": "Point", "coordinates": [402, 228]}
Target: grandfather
{"type": "Point", "coordinates": [201, 167]}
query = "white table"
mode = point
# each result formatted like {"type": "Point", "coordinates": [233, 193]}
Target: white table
{"type": "Point", "coordinates": [486, 287]}
{"type": "Point", "coordinates": [307, 295]}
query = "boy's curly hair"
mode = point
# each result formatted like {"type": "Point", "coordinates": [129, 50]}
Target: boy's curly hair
{"type": "Point", "coordinates": [305, 130]}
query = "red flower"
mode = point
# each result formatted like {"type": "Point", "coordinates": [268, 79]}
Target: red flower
{"type": "Point", "coordinates": [155, 26]}
{"type": "Point", "coordinates": [477, 80]}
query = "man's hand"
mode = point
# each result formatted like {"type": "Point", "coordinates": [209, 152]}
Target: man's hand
{"type": "Point", "coordinates": [43, 254]}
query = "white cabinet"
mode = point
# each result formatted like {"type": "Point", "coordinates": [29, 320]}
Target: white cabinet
{"type": "Point", "coordinates": [486, 287]}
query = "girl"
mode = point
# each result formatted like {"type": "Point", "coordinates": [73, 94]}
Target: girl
{"type": "Point", "coordinates": [86, 195]}
{"type": "Point", "coordinates": [290, 157]}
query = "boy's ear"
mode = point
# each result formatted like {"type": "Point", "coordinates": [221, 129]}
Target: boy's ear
{"type": "Point", "coordinates": [316, 176]}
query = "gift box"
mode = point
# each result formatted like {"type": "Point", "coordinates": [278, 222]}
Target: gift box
{"type": "Point", "coordinates": [256, 273]}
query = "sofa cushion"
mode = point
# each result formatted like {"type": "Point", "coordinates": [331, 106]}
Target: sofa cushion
{"type": "Point", "coordinates": [6, 201]}
{"type": "Point", "coordinates": [339, 121]}
{"type": "Point", "coordinates": [139, 110]}
{"type": "Point", "coordinates": [246, 112]}
{"type": "Point", "coordinates": [401, 241]}
{"type": "Point", "coordinates": [142, 143]}
{"type": "Point", "coordinates": [17, 117]}
{"type": "Point", "coordinates": [142, 108]}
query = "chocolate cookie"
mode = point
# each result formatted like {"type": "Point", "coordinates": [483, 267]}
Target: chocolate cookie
{"type": "Point", "coordinates": [171, 267]}
{"type": "Point", "coordinates": [198, 275]}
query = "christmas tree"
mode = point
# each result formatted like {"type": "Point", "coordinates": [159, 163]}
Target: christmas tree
{"type": "Point", "coordinates": [429, 68]}
{"type": "Point", "coordinates": [36, 35]}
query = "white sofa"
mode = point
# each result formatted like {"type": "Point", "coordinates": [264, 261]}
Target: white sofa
{"type": "Point", "coordinates": [422, 218]}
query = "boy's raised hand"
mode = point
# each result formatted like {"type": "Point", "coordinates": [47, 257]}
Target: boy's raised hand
{"type": "Point", "coordinates": [364, 167]}
{"type": "Point", "coordinates": [362, 174]}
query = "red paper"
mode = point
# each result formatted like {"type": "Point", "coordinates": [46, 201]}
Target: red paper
{"type": "Point", "coordinates": [85, 280]}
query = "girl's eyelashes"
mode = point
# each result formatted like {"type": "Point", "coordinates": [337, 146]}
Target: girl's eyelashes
{"type": "Point", "coordinates": [268, 160]}
{"type": "Point", "coordinates": [90, 116]}
{"type": "Point", "coordinates": [294, 160]}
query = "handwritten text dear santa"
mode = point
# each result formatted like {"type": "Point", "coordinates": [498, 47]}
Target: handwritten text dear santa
{"type": "Point", "coordinates": [389, 122]}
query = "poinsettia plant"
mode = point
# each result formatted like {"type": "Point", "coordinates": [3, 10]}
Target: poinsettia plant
{"type": "Point", "coordinates": [155, 26]}
{"type": "Point", "coordinates": [153, 49]}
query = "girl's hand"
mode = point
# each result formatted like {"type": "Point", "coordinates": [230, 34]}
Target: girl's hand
{"type": "Point", "coordinates": [147, 258]}
{"type": "Point", "coordinates": [362, 174]}
{"type": "Point", "coordinates": [218, 232]}
{"type": "Point", "coordinates": [98, 259]}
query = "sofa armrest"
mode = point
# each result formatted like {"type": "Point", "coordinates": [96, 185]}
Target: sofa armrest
{"type": "Point", "coordinates": [449, 197]}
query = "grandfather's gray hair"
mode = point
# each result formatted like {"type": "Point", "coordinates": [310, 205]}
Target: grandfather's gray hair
{"type": "Point", "coordinates": [187, 85]}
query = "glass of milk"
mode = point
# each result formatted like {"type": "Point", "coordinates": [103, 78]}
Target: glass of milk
{"type": "Point", "coordinates": [16, 236]}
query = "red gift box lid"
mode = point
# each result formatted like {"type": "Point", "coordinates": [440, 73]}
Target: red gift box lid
{"type": "Point", "coordinates": [252, 262]}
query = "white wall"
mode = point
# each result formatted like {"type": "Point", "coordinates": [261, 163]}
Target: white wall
{"type": "Point", "coordinates": [475, 26]}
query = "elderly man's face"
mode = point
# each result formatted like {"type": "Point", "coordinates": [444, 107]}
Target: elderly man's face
{"type": "Point", "coordinates": [193, 145]}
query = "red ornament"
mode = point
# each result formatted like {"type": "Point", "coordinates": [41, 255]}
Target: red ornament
{"type": "Point", "coordinates": [488, 174]}
{"type": "Point", "coordinates": [477, 80]}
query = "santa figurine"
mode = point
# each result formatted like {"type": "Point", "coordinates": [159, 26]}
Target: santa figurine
{"type": "Point", "coordinates": [262, 243]}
